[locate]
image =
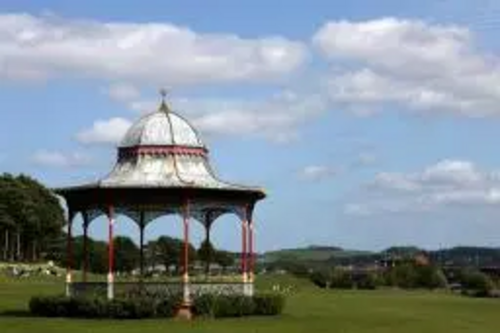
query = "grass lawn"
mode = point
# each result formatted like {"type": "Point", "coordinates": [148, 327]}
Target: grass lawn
{"type": "Point", "coordinates": [308, 310]}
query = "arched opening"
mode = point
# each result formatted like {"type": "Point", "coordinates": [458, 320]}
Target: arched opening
{"type": "Point", "coordinates": [126, 247]}
{"type": "Point", "coordinates": [162, 237]}
{"type": "Point", "coordinates": [164, 240]}
{"type": "Point", "coordinates": [94, 251]}
{"type": "Point", "coordinates": [226, 238]}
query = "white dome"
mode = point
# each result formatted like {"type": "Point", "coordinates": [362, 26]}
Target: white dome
{"type": "Point", "coordinates": [161, 128]}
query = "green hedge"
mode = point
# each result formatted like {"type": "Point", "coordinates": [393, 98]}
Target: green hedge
{"type": "Point", "coordinates": [403, 276]}
{"type": "Point", "coordinates": [61, 306]}
{"type": "Point", "coordinates": [154, 306]}
{"type": "Point", "coordinates": [476, 284]}
{"type": "Point", "coordinates": [219, 306]}
{"type": "Point", "coordinates": [268, 304]}
{"type": "Point", "coordinates": [321, 278]}
{"type": "Point", "coordinates": [339, 279]}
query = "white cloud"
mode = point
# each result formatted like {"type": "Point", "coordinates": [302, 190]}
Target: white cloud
{"type": "Point", "coordinates": [382, 207]}
{"type": "Point", "coordinates": [60, 160]}
{"type": "Point", "coordinates": [317, 172]}
{"type": "Point", "coordinates": [109, 131]}
{"type": "Point", "coordinates": [453, 172]}
{"type": "Point", "coordinates": [409, 63]}
{"type": "Point", "coordinates": [444, 174]}
{"type": "Point", "coordinates": [447, 184]}
{"type": "Point", "coordinates": [401, 47]}
{"type": "Point", "coordinates": [395, 181]}
{"type": "Point", "coordinates": [275, 118]}
{"type": "Point", "coordinates": [158, 53]}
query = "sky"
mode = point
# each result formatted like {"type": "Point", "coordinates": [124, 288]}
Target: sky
{"type": "Point", "coordinates": [368, 125]}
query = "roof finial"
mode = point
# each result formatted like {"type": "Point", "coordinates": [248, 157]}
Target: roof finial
{"type": "Point", "coordinates": [163, 106]}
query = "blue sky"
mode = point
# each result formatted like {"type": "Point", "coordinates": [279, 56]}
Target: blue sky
{"type": "Point", "coordinates": [369, 126]}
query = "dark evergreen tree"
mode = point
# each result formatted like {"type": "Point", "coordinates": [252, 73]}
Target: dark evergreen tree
{"type": "Point", "coordinates": [31, 218]}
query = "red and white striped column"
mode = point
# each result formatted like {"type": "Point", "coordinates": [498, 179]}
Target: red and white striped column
{"type": "Point", "coordinates": [251, 255]}
{"type": "Point", "coordinates": [244, 230]}
{"type": "Point", "coordinates": [185, 271]}
{"type": "Point", "coordinates": [111, 277]}
{"type": "Point", "coordinates": [69, 253]}
{"type": "Point", "coordinates": [85, 227]}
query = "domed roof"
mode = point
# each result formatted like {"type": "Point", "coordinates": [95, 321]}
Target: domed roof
{"type": "Point", "coordinates": [163, 151]}
{"type": "Point", "coordinates": [162, 128]}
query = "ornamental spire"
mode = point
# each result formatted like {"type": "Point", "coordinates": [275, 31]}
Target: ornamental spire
{"type": "Point", "coordinates": [163, 106]}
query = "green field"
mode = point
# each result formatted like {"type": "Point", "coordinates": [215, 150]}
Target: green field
{"type": "Point", "coordinates": [308, 310]}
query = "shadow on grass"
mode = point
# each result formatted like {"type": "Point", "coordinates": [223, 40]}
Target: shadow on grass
{"type": "Point", "coordinates": [16, 314]}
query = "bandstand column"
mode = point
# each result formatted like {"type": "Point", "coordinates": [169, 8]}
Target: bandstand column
{"type": "Point", "coordinates": [185, 271]}
{"type": "Point", "coordinates": [69, 253]}
{"type": "Point", "coordinates": [85, 226]}
{"type": "Point", "coordinates": [111, 277]}
{"type": "Point", "coordinates": [251, 255]}
{"type": "Point", "coordinates": [141, 246]}
{"type": "Point", "coordinates": [208, 225]}
{"type": "Point", "coordinates": [251, 258]}
{"type": "Point", "coordinates": [244, 229]}
{"type": "Point", "coordinates": [209, 253]}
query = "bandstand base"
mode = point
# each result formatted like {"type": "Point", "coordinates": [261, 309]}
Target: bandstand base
{"type": "Point", "coordinates": [184, 312]}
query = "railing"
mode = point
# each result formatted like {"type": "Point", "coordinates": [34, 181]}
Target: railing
{"type": "Point", "coordinates": [195, 288]}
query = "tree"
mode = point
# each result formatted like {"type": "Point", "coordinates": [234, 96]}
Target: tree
{"type": "Point", "coordinates": [98, 256]}
{"type": "Point", "coordinates": [403, 251]}
{"type": "Point", "coordinates": [368, 280]}
{"type": "Point", "coordinates": [430, 277]}
{"type": "Point", "coordinates": [414, 275]}
{"type": "Point", "coordinates": [168, 251]}
{"type": "Point", "coordinates": [403, 276]}
{"type": "Point", "coordinates": [206, 254]}
{"type": "Point", "coordinates": [224, 258]}
{"type": "Point", "coordinates": [6, 225]}
{"type": "Point", "coordinates": [126, 254]}
{"type": "Point", "coordinates": [341, 279]}
{"type": "Point", "coordinates": [476, 283]}
{"type": "Point", "coordinates": [31, 217]}
{"type": "Point", "coordinates": [11, 197]}
{"type": "Point", "coordinates": [322, 277]}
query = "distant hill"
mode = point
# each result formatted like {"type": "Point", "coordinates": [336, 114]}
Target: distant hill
{"type": "Point", "coordinates": [403, 251]}
{"type": "Point", "coordinates": [310, 253]}
{"type": "Point", "coordinates": [330, 255]}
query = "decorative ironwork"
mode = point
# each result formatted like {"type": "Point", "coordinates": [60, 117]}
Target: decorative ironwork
{"type": "Point", "coordinates": [91, 214]}
{"type": "Point", "coordinates": [163, 106]}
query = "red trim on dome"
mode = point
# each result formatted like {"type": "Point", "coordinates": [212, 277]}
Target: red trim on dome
{"type": "Point", "coordinates": [161, 150]}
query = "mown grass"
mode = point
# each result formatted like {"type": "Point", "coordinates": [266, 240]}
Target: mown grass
{"type": "Point", "coordinates": [308, 310]}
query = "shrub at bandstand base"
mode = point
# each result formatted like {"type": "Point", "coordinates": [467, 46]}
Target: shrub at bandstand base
{"type": "Point", "coordinates": [210, 306]}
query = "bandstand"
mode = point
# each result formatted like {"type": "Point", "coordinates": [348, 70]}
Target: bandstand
{"type": "Point", "coordinates": [162, 168]}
